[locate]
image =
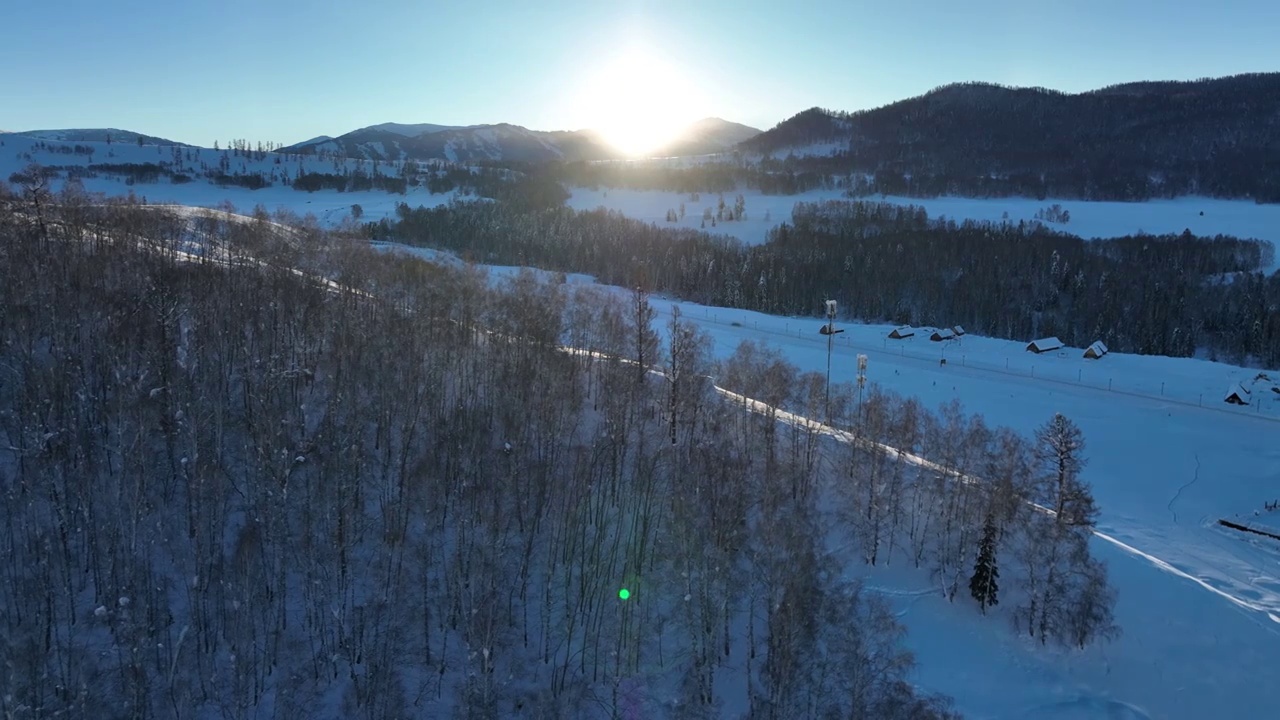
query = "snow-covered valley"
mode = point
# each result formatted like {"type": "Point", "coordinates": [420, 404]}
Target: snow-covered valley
{"type": "Point", "coordinates": [1202, 216]}
{"type": "Point", "coordinates": [1199, 605]}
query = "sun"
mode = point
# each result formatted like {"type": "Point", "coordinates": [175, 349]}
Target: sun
{"type": "Point", "coordinates": [637, 101]}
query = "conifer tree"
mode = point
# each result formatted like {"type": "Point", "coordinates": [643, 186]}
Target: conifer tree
{"type": "Point", "coordinates": [983, 585]}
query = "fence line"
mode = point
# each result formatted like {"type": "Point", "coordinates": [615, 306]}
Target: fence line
{"type": "Point", "coordinates": [1254, 411]}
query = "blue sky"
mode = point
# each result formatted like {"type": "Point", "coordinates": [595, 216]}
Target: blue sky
{"type": "Point", "coordinates": [285, 70]}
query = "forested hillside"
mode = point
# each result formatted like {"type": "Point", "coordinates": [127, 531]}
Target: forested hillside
{"type": "Point", "coordinates": [1162, 295]}
{"type": "Point", "coordinates": [255, 471]}
{"type": "Point", "coordinates": [1217, 137]}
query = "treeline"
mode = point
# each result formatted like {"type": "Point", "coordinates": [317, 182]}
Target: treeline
{"type": "Point", "coordinates": [1167, 295]}
{"type": "Point", "coordinates": [769, 177]}
{"type": "Point", "coordinates": [1162, 295]}
{"type": "Point", "coordinates": [1127, 142]}
{"type": "Point", "coordinates": [65, 149]}
{"type": "Point", "coordinates": [526, 186]}
{"type": "Point", "coordinates": [349, 182]}
{"type": "Point", "coordinates": [132, 172]}
{"type": "Point", "coordinates": [151, 173]}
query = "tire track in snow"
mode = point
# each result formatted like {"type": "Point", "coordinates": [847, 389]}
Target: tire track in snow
{"type": "Point", "coordinates": [1273, 613]}
{"type": "Point", "coordinates": [1270, 611]}
{"type": "Point", "coordinates": [1178, 494]}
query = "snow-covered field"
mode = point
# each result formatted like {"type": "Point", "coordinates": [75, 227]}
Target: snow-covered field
{"type": "Point", "coordinates": [1088, 219]}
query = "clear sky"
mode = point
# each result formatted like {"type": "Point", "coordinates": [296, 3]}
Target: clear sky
{"type": "Point", "coordinates": [286, 70]}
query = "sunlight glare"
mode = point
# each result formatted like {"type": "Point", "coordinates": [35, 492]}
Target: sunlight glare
{"type": "Point", "coordinates": [637, 102]}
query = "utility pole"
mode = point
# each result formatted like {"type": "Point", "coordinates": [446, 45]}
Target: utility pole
{"type": "Point", "coordinates": [830, 331]}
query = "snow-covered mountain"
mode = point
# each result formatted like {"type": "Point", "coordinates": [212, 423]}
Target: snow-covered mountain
{"type": "Point", "coordinates": [707, 136]}
{"type": "Point", "coordinates": [1126, 142]}
{"type": "Point", "coordinates": [396, 142]}
{"type": "Point", "coordinates": [411, 129]}
{"type": "Point", "coordinates": [107, 135]}
{"type": "Point", "coordinates": [509, 142]}
{"type": "Point", "coordinates": [513, 143]}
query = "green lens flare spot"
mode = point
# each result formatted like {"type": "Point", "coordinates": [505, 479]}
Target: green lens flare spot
{"type": "Point", "coordinates": [624, 593]}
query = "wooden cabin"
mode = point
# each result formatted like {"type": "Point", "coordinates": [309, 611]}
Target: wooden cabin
{"type": "Point", "coordinates": [1237, 394]}
{"type": "Point", "coordinates": [1044, 345]}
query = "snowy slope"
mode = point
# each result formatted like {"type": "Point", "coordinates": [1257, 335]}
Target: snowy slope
{"type": "Point", "coordinates": [97, 135]}
{"type": "Point", "coordinates": [329, 207]}
{"type": "Point", "coordinates": [513, 143]}
{"type": "Point", "coordinates": [1199, 606]}
{"type": "Point", "coordinates": [1192, 648]}
{"type": "Point", "coordinates": [410, 129]}
{"type": "Point", "coordinates": [396, 142]}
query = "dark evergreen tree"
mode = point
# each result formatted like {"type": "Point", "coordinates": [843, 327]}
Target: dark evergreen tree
{"type": "Point", "coordinates": [983, 585]}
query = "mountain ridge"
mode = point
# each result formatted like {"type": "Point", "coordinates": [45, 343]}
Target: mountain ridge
{"type": "Point", "coordinates": [95, 135]}
{"type": "Point", "coordinates": [390, 142]}
{"type": "Point", "coordinates": [1129, 141]}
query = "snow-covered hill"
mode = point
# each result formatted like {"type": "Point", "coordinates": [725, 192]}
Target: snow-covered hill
{"type": "Point", "coordinates": [512, 143]}
{"type": "Point", "coordinates": [1200, 615]}
{"type": "Point", "coordinates": [102, 135]}
{"type": "Point", "coordinates": [707, 136]}
{"type": "Point", "coordinates": [410, 129]}
{"type": "Point", "coordinates": [397, 142]}
{"type": "Point", "coordinates": [1125, 142]}
{"type": "Point", "coordinates": [1199, 606]}
{"type": "Point", "coordinates": [188, 175]}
